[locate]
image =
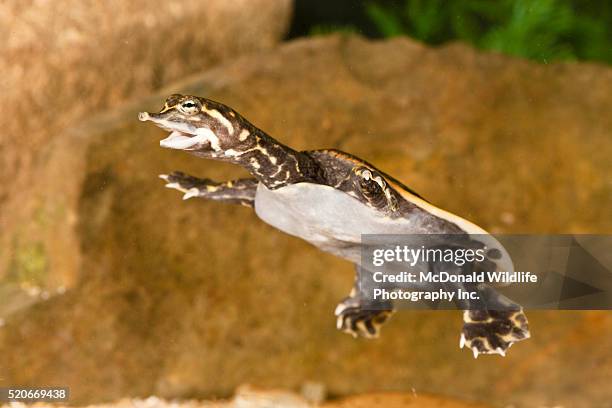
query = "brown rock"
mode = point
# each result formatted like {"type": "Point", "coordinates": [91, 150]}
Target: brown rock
{"type": "Point", "coordinates": [191, 299]}
{"type": "Point", "coordinates": [400, 400]}
{"type": "Point", "coordinates": [65, 60]}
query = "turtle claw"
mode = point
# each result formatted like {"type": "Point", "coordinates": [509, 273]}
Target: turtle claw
{"type": "Point", "coordinates": [493, 332]}
{"type": "Point", "coordinates": [175, 186]}
{"type": "Point", "coordinates": [192, 192]}
{"type": "Point", "coordinates": [353, 319]}
{"type": "Point", "coordinates": [498, 350]}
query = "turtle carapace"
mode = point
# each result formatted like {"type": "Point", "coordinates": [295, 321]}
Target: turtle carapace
{"type": "Point", "coordinates": [328, 198]}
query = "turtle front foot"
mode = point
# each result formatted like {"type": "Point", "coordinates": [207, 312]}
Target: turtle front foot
{"type": "Point", "coordinates": [354, 318]}
{"type": "Point", "coordinates": [189, 185]}
{"type": "Point", "coordinates": [493, 331]}
{"type": "Point", "coordinates": [240, 191]}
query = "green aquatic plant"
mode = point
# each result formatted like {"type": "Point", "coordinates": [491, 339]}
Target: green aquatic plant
{"type": "Point", "coordinates": [324, 29]}
{"type": "Point", "coordinates": [542, 30]}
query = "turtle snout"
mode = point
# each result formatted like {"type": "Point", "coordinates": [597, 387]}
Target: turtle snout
{"type": "Point", "coordinates": [143, 116]}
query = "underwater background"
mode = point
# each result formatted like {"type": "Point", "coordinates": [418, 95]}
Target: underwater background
{"type": "Point", "coordinates": [113, 286]}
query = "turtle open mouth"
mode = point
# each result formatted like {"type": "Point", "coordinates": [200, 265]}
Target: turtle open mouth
{"type": "Point", "coordinates": [181, 137]}
{"type": "Point", "coordinates": [181, 140]}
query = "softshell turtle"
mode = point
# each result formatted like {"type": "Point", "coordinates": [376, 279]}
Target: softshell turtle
{"type": "Point", "coordinates": [328, 198]}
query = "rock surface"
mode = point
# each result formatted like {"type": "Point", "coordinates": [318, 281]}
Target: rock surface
{"type": "Point", "coordinates": [60, 67]}
{"type": "Point", "coordinates": [191, 299]}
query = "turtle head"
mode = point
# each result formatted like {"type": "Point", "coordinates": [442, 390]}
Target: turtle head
{"type": "Point", "coordinates": [199, 125]}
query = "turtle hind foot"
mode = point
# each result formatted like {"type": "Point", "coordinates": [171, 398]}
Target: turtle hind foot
{"type": "Point", "coordinates": [493, 331]}
{"type": "Point", "coordinates": [356, 319]}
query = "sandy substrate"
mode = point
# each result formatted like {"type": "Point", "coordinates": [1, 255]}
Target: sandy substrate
{"type": "Point", "coordinates": [247, 397]}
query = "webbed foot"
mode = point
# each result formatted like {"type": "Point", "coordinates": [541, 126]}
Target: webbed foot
{"type": "Point", "coordinates": [354, 318]}
{"type": "Point", "coordinates": [240, 191]}
{"type": "Point", "coordinates": [191, 186]}
{"type": "Point", "coordinates": [493, 331]}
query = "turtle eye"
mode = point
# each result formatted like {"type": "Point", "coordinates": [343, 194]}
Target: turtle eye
{"type": "Point", "coordinates": [189, 107]}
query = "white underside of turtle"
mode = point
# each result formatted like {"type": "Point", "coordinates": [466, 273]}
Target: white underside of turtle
{"type": "Point", "coordinates": [334, 221]}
